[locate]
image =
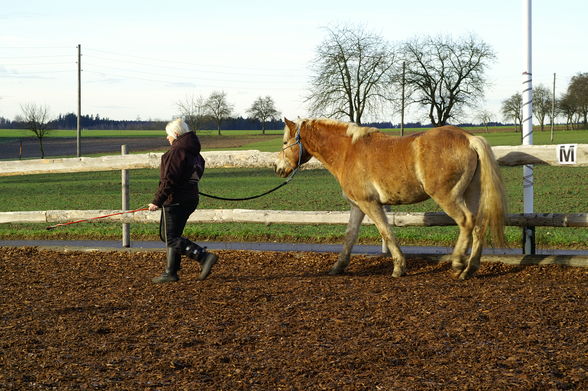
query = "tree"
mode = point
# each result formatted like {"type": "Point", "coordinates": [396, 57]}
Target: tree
{"type": "Point", "coordinates": [484, 117]}
{"type": "Point", "coordinates": [352, 74]}
{"type": "Point", "coordinates": [541, 103]}
{"type": "Point", "coordinates": [264, 110]}
{"type": "Point", "coordinates": [36, 118]}
{"type": "Point", "coordinates": [446, 75]}
{"type": "Point", "coordinates": [512, 109]}
{"type": "Point", "coordinates": [193, 111]}
{"type": "Point", "coordinates": [218, 108]}
{"type": "Point", "coordinates": [578, 92]}
{"type": "Point", "coordinates": [569, 108]}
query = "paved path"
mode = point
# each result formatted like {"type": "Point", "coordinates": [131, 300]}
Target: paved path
{"type": "Point", "coordinates": [265, 246]}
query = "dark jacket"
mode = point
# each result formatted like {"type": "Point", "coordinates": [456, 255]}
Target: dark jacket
{"type": "Point", "coordinates": [181, 169]}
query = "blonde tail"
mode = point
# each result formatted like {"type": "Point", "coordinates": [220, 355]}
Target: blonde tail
{"type": "Point", "coordinates": [492, 208]}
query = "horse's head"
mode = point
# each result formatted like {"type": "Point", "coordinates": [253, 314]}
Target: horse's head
{"type": "Point", "coordinates": [293, 154]}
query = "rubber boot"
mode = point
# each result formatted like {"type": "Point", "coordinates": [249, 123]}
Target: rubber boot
{"type": "Point", "coordinates": [173, 266]}
{"type": "Point", "coordinates": [203, 257]}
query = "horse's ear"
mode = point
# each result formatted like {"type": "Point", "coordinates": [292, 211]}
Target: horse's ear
{"type": "Point", "coordinates": [291, 125]}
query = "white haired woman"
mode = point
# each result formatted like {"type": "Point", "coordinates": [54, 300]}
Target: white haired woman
{"type": "Point", "coordinates": [177, 197]}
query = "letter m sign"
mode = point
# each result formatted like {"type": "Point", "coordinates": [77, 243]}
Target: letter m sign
{"type": "Point", "coordinates": [566, 153]}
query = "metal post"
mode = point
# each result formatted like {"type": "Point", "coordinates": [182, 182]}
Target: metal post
{"type": "Point", "coordinates": [402, 99]}
{"type": "Point", "coordinates": [78, 149]}
{"type": "Point", "coordinates": [126, 227]}
{"type": "Point", "coordinates": [527, 131]}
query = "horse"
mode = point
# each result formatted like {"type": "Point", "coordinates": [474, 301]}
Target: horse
{"type": "Point", "coordinates": [455, 168]}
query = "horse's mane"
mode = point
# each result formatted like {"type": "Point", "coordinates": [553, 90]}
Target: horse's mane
{"type": "Point", "coordinates": [352, 130]}
{"type": "Point", "coordinates": [356, 132]}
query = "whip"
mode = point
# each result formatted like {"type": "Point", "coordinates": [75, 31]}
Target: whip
{"type": "Point", "coordinates": [94, 218]}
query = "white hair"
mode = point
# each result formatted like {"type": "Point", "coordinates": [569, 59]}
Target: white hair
{"type": "Point", "coordinates": [176, 128]}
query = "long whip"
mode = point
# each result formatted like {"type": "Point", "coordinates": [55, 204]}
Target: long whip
{"type": "Point", "coordinates": [94, 218]}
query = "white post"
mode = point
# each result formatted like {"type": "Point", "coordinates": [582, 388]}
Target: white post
{"type": "Point", "coordinates": [528, 232]}
{"type": "Point", "coordinates": [78, 127]}
{"type": "Point", "coordinates": [126, 227]}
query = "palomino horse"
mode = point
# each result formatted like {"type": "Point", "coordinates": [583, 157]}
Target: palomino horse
{"type": "Point", "coordinates": [454, 168]}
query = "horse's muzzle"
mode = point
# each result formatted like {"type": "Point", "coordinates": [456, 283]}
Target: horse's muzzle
{"type": "Point", "coordinates": [281, 169]}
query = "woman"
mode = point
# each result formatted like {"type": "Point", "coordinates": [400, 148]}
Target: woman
{"type": "Point", "coordinates": [177, 196]}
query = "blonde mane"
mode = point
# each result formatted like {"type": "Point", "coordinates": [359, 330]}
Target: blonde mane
{"type": "Point", "coordinates": [352, 130]}
{"type": "Point", "coordinates": [356, 132]}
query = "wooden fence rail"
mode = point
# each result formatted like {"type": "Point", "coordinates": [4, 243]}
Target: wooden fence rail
{"type": "Point", "coordinates": [398, 219]}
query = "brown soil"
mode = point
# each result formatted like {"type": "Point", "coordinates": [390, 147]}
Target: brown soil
{"type": "Point", "coordinates": [66, 147]}
{"type": "Point", "coordinates": [277, 321]}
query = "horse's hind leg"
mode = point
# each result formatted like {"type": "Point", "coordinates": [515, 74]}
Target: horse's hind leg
{"type": "Point", "coordinates": [464, 218]}
{"type": "Point", "coordinates": [355, 218]}
{"type": "Point", "coordinates": [376, 212]}
{"type": "Point", "coordinates": [473, 263]}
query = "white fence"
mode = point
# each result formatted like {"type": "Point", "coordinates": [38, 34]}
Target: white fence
{"type": "Point", "coordinates": [575, 155]}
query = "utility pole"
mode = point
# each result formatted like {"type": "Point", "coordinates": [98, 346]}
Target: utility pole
{"type": "Point", "coordinates": [527, 131]}
{"type": "Point", "coordinates": [79, 153]}
{"type": "Point", "coordinates": [553, 107]}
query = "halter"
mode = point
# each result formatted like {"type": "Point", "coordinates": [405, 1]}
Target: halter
{"type": "Point", "coordinates": [298, 141]}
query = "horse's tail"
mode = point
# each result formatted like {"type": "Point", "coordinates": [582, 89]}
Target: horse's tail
{"type": "Point", "coordinates": [492, 208]}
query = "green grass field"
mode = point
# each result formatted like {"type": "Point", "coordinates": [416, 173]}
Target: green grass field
{"type": "Point", "coordinates": [557, 190]}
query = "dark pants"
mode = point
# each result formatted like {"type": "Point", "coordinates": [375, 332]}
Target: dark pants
{"type": "Point", "coordinates": [173, 221]}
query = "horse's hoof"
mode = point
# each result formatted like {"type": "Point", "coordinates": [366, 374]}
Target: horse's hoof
{"type": "Point", "coordinates": [398, 273]}
{"type": "Point", "coordinates": [335, 271]}
{"type": "Point", "coordinates": [466, 274]}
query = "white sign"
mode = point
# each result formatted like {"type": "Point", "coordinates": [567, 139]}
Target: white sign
{"type": "Point", "coordinates": [566, 153]}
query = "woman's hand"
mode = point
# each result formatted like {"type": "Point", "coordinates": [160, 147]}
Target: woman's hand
{"type": "Point", "coordinates": [153, 207]}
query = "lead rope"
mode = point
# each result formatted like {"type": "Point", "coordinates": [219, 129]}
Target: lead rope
{"type": "Point", "coordinates": [275, 188]}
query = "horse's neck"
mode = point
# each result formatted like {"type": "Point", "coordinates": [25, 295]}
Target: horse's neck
{"type": "Point", "coordinates": [327, 147]}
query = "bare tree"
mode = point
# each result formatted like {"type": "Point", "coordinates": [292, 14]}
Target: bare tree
{"type": "Point", "coordinates": [446, 75]}
{"type": "Point", "coordinates": [36, 118]}
{"type": "Point", "coordinates": [193, 111]}
{"type": "Point", "coordinates": [218, 108]}
{"type": "Point", "coordinates": [352, 71]}
{"type": "Point", "coordinates": [263, 109]}
{"type": "Point", "coordinates": [578, 91]}
{"type": "Point", "coordinates": [569, 108]}
{"type": "Point", "coordinates": [484, 116]}
{"type": "Point", "coordinates": [512, 109]}
{"type": "Point", "coordinates": [541, 103]}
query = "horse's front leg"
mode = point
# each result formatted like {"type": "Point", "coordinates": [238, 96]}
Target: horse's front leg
{"type": "Point", "coordinates": [376, 212]}
{"type": "Point", "coordinates": [355, 218]}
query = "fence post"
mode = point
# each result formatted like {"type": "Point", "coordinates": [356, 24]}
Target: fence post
{"type": "Point", "coordinates": [126, 227]}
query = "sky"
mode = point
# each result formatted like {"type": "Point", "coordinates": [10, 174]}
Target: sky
{"type": "Point", "coordinates": [140, 58]}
